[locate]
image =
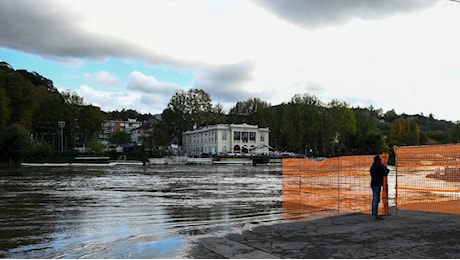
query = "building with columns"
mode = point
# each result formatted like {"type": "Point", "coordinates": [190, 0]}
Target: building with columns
{"type": "Point", "coordinates": [226, 139]}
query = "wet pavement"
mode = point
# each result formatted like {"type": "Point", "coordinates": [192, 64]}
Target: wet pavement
{"type": "Point", "coordinates": [403, 234]}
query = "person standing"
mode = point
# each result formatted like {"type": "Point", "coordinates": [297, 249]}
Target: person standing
{"type": "Point", "coordinates": [378, 171]}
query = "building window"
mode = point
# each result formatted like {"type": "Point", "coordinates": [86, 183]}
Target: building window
{"type": "Point", "coordinates": [237, 136]}
{"type": "Point", "coordinates": [224, 136]}
{"type": "Point", "coordinates": [262, 137]}
{"type": "Point", "coordinates": [245, 137]}
{"type": "Point", "coordinates": [252, 136]}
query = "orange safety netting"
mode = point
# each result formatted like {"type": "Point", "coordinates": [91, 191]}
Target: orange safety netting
{"type": "Point", "coordinates": [329, 186]}
{"type": "Point", "coordinates": [428, 178]}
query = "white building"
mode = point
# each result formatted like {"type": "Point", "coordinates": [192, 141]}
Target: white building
{"type": "Point", "coordinates": [226, 138]}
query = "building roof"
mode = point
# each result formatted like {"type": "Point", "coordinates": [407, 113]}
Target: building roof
{"type": "Point", "coordinates": [224, 126]}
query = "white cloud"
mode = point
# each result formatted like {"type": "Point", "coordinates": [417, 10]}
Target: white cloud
{"type": "Point", "coordinates": [143, 93]}
{"type": "Point", "coordinates": [107, 100]}
{"type": "Point", "coordinates": [400, 54]}
{"type": "Point", "coordinates": [102, 78]}
{"type": "Point", "coordinates": [138, 81]}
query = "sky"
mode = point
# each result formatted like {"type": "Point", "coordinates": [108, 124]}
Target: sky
{"type": "Point", "coordinates": [136, 54]}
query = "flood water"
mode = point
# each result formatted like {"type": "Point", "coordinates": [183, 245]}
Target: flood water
{"type": "Point", "coordinates": [130, 212]}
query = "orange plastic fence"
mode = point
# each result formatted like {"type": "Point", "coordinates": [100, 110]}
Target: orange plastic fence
{"type": "Point", "coordinates": [428, 178]}
{"type": "Point", "coordinates": [330, 186]}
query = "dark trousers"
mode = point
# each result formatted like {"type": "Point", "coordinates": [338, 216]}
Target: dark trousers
{"type": "Point", "coordinates": [376, 190]}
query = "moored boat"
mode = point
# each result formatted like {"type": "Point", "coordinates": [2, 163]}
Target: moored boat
{"type": "Point", "coordinates": [87, 161]}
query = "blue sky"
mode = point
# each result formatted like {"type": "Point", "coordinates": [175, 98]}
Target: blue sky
{"type": "Point", "coordinates": [393, 54]}
{"type": "Point", "coordinates": [109, 76]}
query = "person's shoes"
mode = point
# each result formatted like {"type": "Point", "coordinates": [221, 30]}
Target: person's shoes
{"type": "Point", "coordinates": [378, 218]}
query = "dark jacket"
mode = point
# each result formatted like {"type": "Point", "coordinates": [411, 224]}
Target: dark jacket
{"type": "Point", "coordinates": [378, 171]}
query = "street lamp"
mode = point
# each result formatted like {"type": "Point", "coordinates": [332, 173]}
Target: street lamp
{"type": "Point", "coordinates": [62, 125]}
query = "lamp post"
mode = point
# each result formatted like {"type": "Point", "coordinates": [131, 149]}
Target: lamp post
{"type": "Point", "coordinates": [62, 125]}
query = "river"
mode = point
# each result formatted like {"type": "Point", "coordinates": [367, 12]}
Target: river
{"type": "Point", "coordinates": [131, 212]}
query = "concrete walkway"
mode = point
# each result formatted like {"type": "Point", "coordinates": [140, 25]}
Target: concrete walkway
{"type": "Point", "coordinates": [404, 234]}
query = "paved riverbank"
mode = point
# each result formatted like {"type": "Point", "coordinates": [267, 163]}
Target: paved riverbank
{"type": "Point", "coordinates": [404, 234]}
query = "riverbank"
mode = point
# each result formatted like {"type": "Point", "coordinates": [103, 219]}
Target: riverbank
{"type": "Point", "coordinates": [404, 234]}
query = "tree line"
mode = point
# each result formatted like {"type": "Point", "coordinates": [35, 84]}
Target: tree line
{"type": "Point", "coordinates": [30, 108]}
{"type": "Point", "coordinates": [309, 126]}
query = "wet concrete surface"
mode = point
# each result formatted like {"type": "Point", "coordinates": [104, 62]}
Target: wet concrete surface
{"type": "Point", "coordinates": [403, 234]}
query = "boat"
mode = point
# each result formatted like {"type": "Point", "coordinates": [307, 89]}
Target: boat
{"type": "Point", "coordinates": [172, 160]}
{"type": "Point", "coordinates": [198, 160]}
{"type": "Point", "coordinates": [88, 161]}
{"type": "Point", "coordinates": [235, 160]}
{"type": "Point", "coordinates": [45, 164]}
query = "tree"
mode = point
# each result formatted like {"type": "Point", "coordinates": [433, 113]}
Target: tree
{"type": "Point", "coordinates": [199, 107]}
{"type": "Point", "coordinates": [186, 110]}
{"type": "Point", "coordinates": [454, 133]}
{"type": "Point", "coordinates": [306, 117]}
{"type": "Point", "coordinates": [404, 132]}
{"type": "Point", "coordinates": [4, 108]}
{"type": "Point", "coordinates": [90, 119]}
{"type": "Point", "coordinates": [120, 138]}
{"type": "Point", "coordinates": [72, 98]}
{"type": "Point", "coordinates": [15, 143]}
{"type": "Point", "coordinates": [218, 115]}
{"type": "Point", "coordinates": [368, 138]}
{"type": "Point", "coordinates": [96, 146]}
{"type": "Point", "coordinates": [338, 124]}
{"type": "Point", "coordinates": [51, 109]}
{"type": "Point", "coordinates": [249, 111]}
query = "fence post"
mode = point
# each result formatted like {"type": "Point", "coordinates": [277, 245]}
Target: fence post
{"type": "Point", "coordinates": [386, 210]}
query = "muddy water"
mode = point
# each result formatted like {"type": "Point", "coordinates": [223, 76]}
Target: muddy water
{"type": "Point", "coordinates": [130, 212]}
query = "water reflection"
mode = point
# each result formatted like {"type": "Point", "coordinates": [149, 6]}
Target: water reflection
{"type": "Point", "coordinates": [130, 212]}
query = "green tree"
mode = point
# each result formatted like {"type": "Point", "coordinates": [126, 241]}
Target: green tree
{"type": "Point", "coordinates": [22, 98]}
{"type": "Point", "coordinates": [174, 117]}
{"type": "Point", "coordinates": [199, 107]}
{"type": "Point", "coordinates": [96, 146]}
{"type": "Point", "coordinates": [249, 111]}
{"type": "Point", "coordinates": [299, 123]}
{"type": "Point", "coordinates": [404, 132]}
{"type": "Point", "coordinates": [218, 115]}
{"type": "Point", "coordinates": [15, 143]}
{"type": "Point", "coordinates": [454, 133]}
{"type": "Point", "coordinates": [90, 119]}
{"type": "Point", "coordinates": [275, 122]}
{"type": "Point", "coordinates": [368, 139]}
{"type": "Point", "coordinates": [72, 98]}
{"type": "Point", "coordinates": [185, 110]}
{"type": "Point", "coordinates": [338, 124]}
{"type": "Point", "coordinates": [51, 109]}
{"type": "Point", "coordinates": [4, 108]}
{"type": "Point", "coordinates": [120, 138]}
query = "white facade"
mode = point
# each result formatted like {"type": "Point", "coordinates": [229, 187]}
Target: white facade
{"type": "Point", "coordinates": [225, 139]}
